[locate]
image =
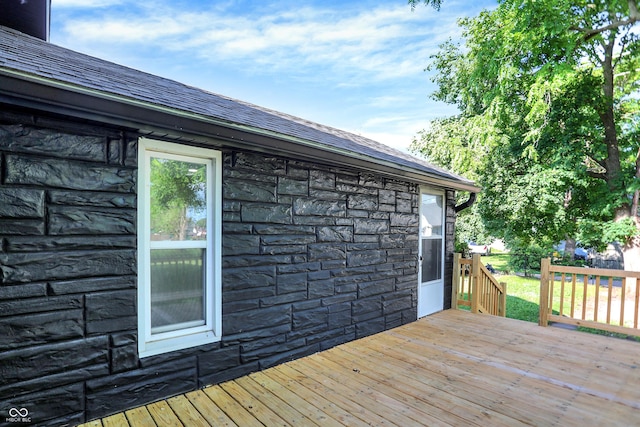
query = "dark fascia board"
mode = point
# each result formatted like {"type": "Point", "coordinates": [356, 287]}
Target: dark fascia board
{"type": "Point", "coordinates": [153, 120]}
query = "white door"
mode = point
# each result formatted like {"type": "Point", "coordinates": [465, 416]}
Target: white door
{"type": "Point", "coordinates": [431, 253]}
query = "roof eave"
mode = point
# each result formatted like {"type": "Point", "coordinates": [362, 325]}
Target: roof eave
{"type": "Point", "coordinates": [151, 119]}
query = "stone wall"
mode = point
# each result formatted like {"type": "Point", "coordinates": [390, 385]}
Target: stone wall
{"type": "Point", "coordinates": [312, 257]}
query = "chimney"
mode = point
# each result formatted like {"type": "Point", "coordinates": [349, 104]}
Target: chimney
{"type": "Point", "coordinates": [28, 16]}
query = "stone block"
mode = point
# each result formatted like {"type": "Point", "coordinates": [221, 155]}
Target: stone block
{"type": "Point", "coordinates": [248, 277]}
{"type": "Point", "coordinates": [71, 243]}
{"type": "Point", "coordinates": [288, 239]}
{"type": "Point", "coordinates": [376, 287]}
{"type": "Point", "coordinates": [234, 323]}
{"type": "Point", "coordinates": [89, 198]}
{"type": "Point", "coordinates": [67, 221]}
{"type": "Point", "coordinates": [21, 203]}
{"type": "Point", "coordinates": [240, 244]}
{"type": "Point", "coordinates": [404, 220]}
{"type": "Point", "coordinates": [121, 339]}
{"type": "Point", "coordinates": [255, 190]}
{"type": "Point", "coordinates": [58, 173]}
{"type": "Point", "coordinates": [321, 288]}
{"type": "Point", "coordinates": [396, 305]}
{"type": "Point", "coordinates": [323, 252]}
{"type": "Point", "coordinates": [370, 327]}
{"type": "Point", "coordinates": [266, 213]}
{"type": "Point", "coordinates": [367, 306]}
{"type": "Point", "coordinates": [360, 258]}
{"type": "Point", "coordinates": [49, 405]}
{"type": "Point", "coordinates": [335, 234]}
{"type": "Point", "coordinates": [404, 206]}
{"type": "Point", "coordinates": [288, 356]}
{"type": "Point", "coordinates": [285, 249]}
{"type": "Point", "coordinates": [33, 267]}
{"type": "Point", "coordinates": [314, 207]}
{"type": "Point", "coordinates": [99, 284]}
{"type": "Point", "coordinates": [111, 311]}
{"type": "Point", "coordinates": [279, 229]}
{"type": "Point", "coordinates": [293, 187]}
{"type": "Point", "coordinates": [218, 360]}
{"type": "Point", "coordinates": [370, 226]}
{"type": "Point", "coordinates": [387, 197]}
{"type": "Point", "coordinates": [288, 283]}
{"type": "Point", "coordinates": [30, 290]}
{"type": "Point", "coordinates": [41, 328]}
{"type": "Point", "coordinates": [261, 354]}
{"type": "Point", "coordinates": [259, 163]}
{"type": "Point", "coordinates": [310, 318]}
{"type": "Point", "coordinates": [26, 139]}
{"type": "Point", "coordinates": [254, 260]}
{"type": "Point", "coordinates": [307, 267]}
{"type": "Point", "coordinates": [39, 361]}
{"type": "Point", "coordinates": [124, 358]}
{"type": "Point", "coordinates": [362, 201]}
{"type": "Point", "coordinates": [133, 388]}
{"type": "Point", "coordinates": [322, 179]}
{"type": "Point", "coordinates": [22, 227]}
{"type": "Point", "coordinates": [40, 305]}
{"type": "Point", "coordinates": [370, 180]}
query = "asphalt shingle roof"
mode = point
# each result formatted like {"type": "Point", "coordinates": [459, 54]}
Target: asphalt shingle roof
{"type": "Point", "coordinates": [32, 56]}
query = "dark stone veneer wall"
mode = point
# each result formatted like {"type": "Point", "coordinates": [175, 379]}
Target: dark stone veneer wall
{"type": "Point", "coordinates": [312, 257]}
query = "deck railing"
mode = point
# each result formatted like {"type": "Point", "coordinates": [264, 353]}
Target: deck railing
{"type": "Point", "coordinates": [596, 298]}
{"type": "Point", "coordinates": [475, 287]}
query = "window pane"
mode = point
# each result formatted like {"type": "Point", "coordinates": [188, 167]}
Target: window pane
{"type": "Point", "coordinates": [178, 200]}
{"type": "Point", "coordinates": [431, 259]}
{"type": "Point", "coordinates": [431, 210]}
{"type": "Point", "coordinates": [177, 289]}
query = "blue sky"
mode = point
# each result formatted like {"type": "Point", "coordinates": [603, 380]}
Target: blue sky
{"type": "Point", "coordinates": [354, 65]}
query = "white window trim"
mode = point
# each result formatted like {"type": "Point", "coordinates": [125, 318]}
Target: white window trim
{"type": "Point", "coordinates": [211, 331]}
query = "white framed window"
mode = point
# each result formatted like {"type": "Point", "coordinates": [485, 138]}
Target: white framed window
{"type": "Point", "coordinates": [179, 246]}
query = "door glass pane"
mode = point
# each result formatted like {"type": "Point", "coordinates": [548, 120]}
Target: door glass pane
{"type": "Point", "coordinates": [178, 200]}
{"type": "Point", "coordinates": [431, 215]}
{"type": "Point", "coordinates": [177, 289]}
{"type": "Point", "coordinates": [431, 259]}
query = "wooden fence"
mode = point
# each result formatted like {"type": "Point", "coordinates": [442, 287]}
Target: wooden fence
{"type": "Point", "coordinates": [597, 298]}
{"type": "Point", "coordinates": [475, 287]}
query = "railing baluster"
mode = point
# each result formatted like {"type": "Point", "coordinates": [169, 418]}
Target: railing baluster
{"type": "Point", "coordinates": [623, 299]}
{"type": "Point", "coordinates": [597, 299]}
{"type": "Point", "coordinates": [585, 280]}
{"type": "Point", "coordinates": [573, 293]}
{"type": "Point", "coordinates": [637, 303]}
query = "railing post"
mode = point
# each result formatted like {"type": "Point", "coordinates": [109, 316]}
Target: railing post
{"type": "Point", "coordinates": [475, 279]}
{"type": "Point", "coordinates": [544, 291]}
{"type": "Point", "coordinates": [503, 300]}
{"type": "Point", "coordinates": [455, 289]}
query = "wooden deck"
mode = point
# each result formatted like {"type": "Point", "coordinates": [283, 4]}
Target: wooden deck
{"type": "Point", "coordinates": [452, 368]}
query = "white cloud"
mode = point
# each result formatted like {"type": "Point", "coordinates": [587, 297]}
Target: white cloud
{"type": "Point", "coordinates": [87, 4]}
{"type": "Point", "coordinates": [376, 44]}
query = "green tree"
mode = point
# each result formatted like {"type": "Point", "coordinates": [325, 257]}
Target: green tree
{"type": "Point", "coordinates": [548, 94]}
{"type": "Point", "coordinates": [177, 195]}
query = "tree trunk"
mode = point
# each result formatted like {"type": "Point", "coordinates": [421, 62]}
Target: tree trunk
{"type": "Point", "coordinates": [613, 175]}
{"type": "Point", "coordinates": [570, 247]}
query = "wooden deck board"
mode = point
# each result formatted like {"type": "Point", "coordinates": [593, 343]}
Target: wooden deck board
{"type": "Point", "coordinates": [452, 368]}
{"type": "Point", "coordinates": [140, 417]}
{"type": "Point", "coordinates": [209, 410]}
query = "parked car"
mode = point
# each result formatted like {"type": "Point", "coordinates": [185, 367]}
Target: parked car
{"type": "Point", "coordinates": [580, 253]}
{"type": "Point", "coordinates": [479, 249]}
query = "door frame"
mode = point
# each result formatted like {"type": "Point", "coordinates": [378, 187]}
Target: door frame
{"type": "Point", "coordinates": [438, 282]}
